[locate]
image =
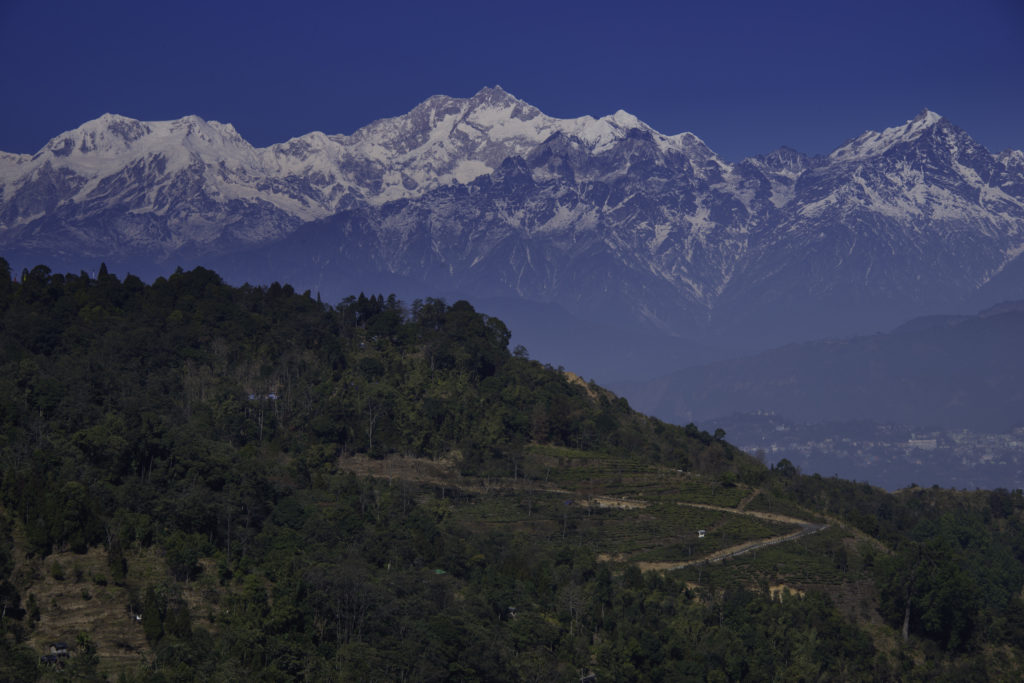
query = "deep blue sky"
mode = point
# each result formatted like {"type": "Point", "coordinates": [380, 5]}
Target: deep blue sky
{"type": "Point", "coordinates": [747, 76]}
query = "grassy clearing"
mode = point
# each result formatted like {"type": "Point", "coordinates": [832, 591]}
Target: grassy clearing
{"type": "Point", "coordinates": [765, 501]}
{"type": "Point", "coordinates": [725, 531]}
{"type": "Point", "coordinates": [592, 473]}
{"type": "Point", "coordinates": [76, 595]}
{"type": "Point", "coordinates": [693, 490]}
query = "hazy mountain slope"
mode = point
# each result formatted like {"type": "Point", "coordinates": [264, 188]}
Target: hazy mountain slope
{"type": "Point", "coordinates": [953, 372]}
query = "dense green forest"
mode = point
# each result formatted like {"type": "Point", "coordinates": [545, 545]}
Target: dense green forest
{"type": "Point", "coordinates": [203, 482]}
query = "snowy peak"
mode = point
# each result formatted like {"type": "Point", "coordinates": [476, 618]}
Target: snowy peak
{"type": "Point", "coordinates": [601, 134]}
{"type": "Point", "coordinates": [109, 135]}
{"type": "Point", "coordinates": [441, 141]}
{"type": "Point", "coordinates": [623, 119]}
{"type": "Point", "coordinates": [926, 118]}
{"type": "Point", "coordinates": [106, 143]}
{"type": "Point", "coordinates": [612, 178]}
{"type": "Point", "coordinates": [874, 143]}
{"type": "Point", "coordinates": [783, 160]}
{"type": "Point", "coordinates": [445, 140]}
{"type": "Point", "coordinates": [496, 97]}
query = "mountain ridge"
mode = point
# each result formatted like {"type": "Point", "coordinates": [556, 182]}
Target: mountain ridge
{"type": "Point", "coordinates": [603, 216]}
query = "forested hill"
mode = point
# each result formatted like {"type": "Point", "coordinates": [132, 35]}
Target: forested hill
{"type": "Point", "coordinates": [146, 381]}
{"type": "Point", "coordinates": [206, 482]}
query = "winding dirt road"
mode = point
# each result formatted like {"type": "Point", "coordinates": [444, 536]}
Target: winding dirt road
{"type": "Point", "coordinates": [806, 529]}
{"type": "Point", "coordinates": [441, 475]}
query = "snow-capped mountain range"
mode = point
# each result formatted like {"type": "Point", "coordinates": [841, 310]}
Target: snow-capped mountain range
{"type": "Point", "coordinates": [488, 196]}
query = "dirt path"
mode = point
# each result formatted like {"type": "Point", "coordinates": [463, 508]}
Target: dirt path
{"type": "Point", "coordinates": [746, 501]}
{"type": "Point", "coordinates": [770, 516]}
{"type": "Point", "coordinates": [806, 529]}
